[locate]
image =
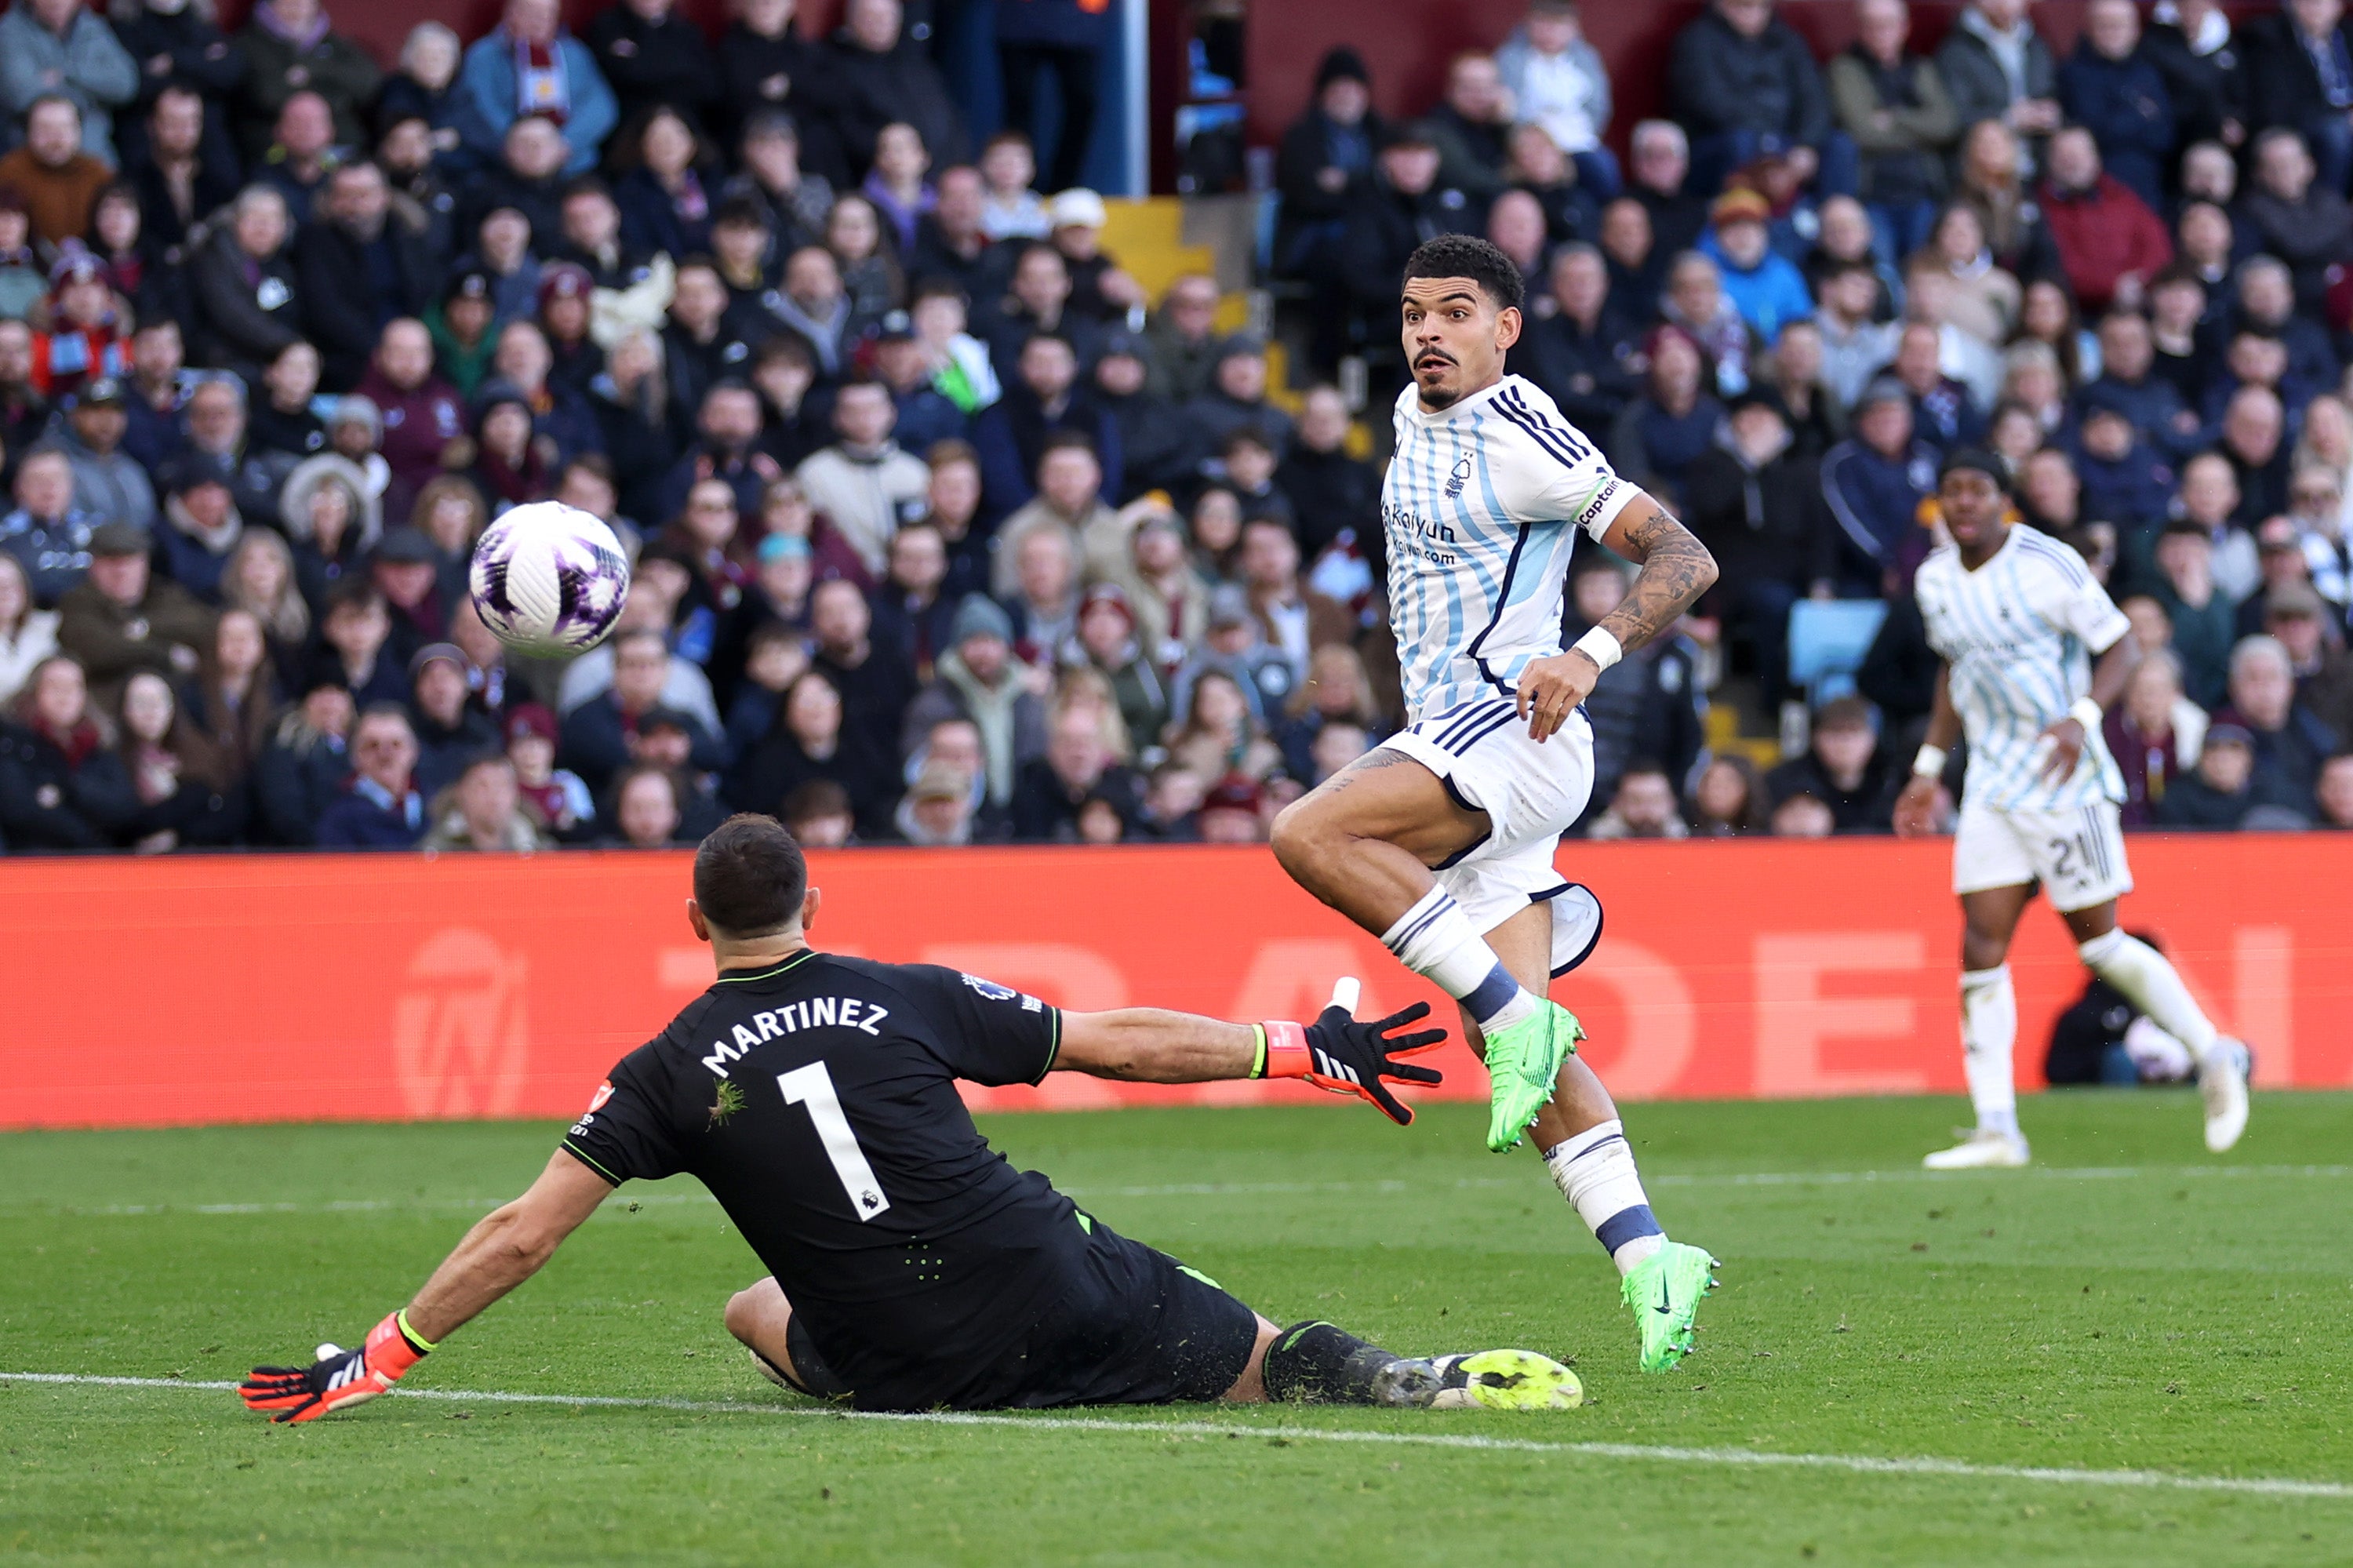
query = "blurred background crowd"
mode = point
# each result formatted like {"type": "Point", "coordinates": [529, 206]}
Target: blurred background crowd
{"type": "Point", "coordinates": [944, 529]}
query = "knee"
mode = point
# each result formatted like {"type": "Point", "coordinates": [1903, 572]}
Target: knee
{"type": "Point", "coordinates": [745, 1310]}
{"type": "Point", "coordinates": [1299, 838]}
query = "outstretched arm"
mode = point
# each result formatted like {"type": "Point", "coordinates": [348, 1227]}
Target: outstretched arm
{"type": "Point", "coordinates": [503, 1249]}
{"type": "Point", "coordinates": [1676, 569]}
{"type": "Point", "coordinates": [507, 1246]}
{"type": "Point", "coordinates": [1147, 1045]}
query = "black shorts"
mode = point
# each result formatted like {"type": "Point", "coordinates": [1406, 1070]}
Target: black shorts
{"type": "Point", "coordinates": [1134, 1326]}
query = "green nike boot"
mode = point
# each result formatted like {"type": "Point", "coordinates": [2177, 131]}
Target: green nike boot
{"type": "Point", "coordinates": [1664, 1289]}
{"type": "Point", "coordinates": [1522, 1061]}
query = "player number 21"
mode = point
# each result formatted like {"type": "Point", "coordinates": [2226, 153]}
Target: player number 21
{"type": "Point", "coordinates": [813, 1087]}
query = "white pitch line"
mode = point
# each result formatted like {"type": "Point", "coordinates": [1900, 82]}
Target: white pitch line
{"type": "Point", "coordinates": [1860, 1463]}
{"type": "Point", "coordinates": [1254, 1188]}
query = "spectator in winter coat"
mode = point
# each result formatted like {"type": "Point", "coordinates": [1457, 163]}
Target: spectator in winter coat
{"type": "Point", "coordinates": [47, 533]}
{"type": "Point", "coordinates": [1043, 399]}
{"type": "Point", "coordinates": [876, 76]}
{"type": "Point", "coordinates": [2129, 384]}
{"type": "Point", "coordinates": [249, 301]}
{"type": "Point", "coordinates": [1556, 82]}
{"type": "Point", "coordinates": [62, 787]}
{"type": "Point", "coordinates": [1469, 126]}
{"type": "Point", "coordinates": [1997, 66]}
{"type": "Point", "coordinates": [1323, 166]}
{"type": "Point", "coordinates": [768, 71]}
{"type": "Point", "coordinates": [863, 484]}
{"type": "Point", "coordinates": [2191, 42]}
{"type": "Point", "coordinates": [1744, 82]}
{"type": "Point", "coordinates": [1052, 791]}
{"type": "Point", "coordinates": [980, 681]}
{"type": "Point", "coordinates": [450, 731]}
{"type": "Point", "coordinates": [2304, 223]}
{"type": "Point", "coordinates": [650, 55]}
{"type": "Point", "coordinates": [381, 808]}
{"type": "Point", "coordinates": [1765, 285]}
{"type": "Point", "coordinates": [125, 617]}
{"type": "Point", "coordinates": [55, 179]}
{"type": "Point", "coordinates": [2110, 243]}
{"type": "Point", "coordinates": [290, 47]}
{"type": "Point", "coordinates": [360, 263]}
{"type": "Point", "coordinates": [2299, 75]}
{"type": "Point", "coordinates": [1401, 207]}
{"type": "Point", "coordinates": [57, 48]}
{"type": "Point", "coordinates": [302, 771]}
{"type": "Point", "coordinates": [530, 64]}
{"type": "Point", "coordinates": [1662, 432]}
{"type": "Point", "coordinates": [1335, 498]}
{"type": "Point", "coordinates": [2290, 742]}
{"type": "Point", "coordinates": [1893, 104]}
{"type": "Point", "coordinates": [2127, 481]}
{"type": "Point", "coordinates": [200, 527]}
{"type": "Point", "coordinates": [1873, 483]}
{"type": "Point", "coordinates": [1757, 507]}
{"type": "Point", "coordinates": [2112, 88]}
{"type": "Point", "coordinates": [1845, 768]}
{"type": "Point", "coordinates": [422, 414]}
{"type": "Point", "coordinates": [108, 483]}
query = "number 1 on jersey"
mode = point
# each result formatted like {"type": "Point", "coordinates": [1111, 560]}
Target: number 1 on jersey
{"type": "Point", "coordinates": [812, 1085]}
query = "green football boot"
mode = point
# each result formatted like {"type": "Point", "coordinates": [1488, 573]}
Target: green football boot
{"type": "Point", "coordinates": [1664, 1289]}
{"type": "Point", "coordinates": [1522, 1061]}
{"type": "Point", "coordinates": [1481, 1380]}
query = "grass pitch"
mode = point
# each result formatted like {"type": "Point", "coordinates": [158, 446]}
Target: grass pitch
{"type": "Point", "coordinates": [2131, 1305]}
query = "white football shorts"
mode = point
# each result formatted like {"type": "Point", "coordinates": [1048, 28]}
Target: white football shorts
{"type": "Point", "coordinates": [2078, 854]}
{"type": "Point", "coordinates": [1532, 794]}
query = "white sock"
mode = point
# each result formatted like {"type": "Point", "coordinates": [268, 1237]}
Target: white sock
{"type": "Point", "coordinates": [1595, 1172]}
{"type": "Point", "coordinates": [1988, 1034]}
{"type": "Point", "coordinates": [2151, 984]}
{"type": "Point", "coordinates": [1434, 939]}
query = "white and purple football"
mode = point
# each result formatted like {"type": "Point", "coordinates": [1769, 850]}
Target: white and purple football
{"type": "Point", "coordinates": [549, 578]}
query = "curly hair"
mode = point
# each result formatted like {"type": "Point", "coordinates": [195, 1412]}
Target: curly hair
{"type": "Point", "coordinates": [1467, 256]}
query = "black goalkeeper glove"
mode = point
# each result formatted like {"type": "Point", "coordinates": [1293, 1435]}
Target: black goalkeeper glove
{"type": "Point", "coordinates": [1342, 1055]}
{"type": "Point", "coordinates": [338, 1377]}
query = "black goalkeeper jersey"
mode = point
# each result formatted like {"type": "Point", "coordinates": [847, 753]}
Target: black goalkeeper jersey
{"type": "Point", "coordinates": [817, 1099]}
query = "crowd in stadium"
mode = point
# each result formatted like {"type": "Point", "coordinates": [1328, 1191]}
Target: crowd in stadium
{"type": "Point", "coordinates": [945, 533]}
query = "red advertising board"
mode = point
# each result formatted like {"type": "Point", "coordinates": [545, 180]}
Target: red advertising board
{"type": "Point", "coordinates": [150, 992]}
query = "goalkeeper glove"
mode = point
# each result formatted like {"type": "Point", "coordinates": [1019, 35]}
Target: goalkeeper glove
{"type": "Point", "coordinates": [1342, 1055]}
{"type": "Point", "coordinates": [338, 1378]}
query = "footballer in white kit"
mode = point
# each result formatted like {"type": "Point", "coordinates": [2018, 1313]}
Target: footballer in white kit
{"type": "Point", "coordinates": [2018, 618]}
{"type": "Point", "coordinates": [1441, 840]}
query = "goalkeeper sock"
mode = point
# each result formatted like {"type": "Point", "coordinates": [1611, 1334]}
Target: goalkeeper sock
{"type": "Point", "coordinates": [1988, 1032]}
{"type": "Point", "coordinates": [1314, 1363]}
{"type": "Point", "coordinates": [2151, 984]}
{"type": "Point", "coordinates": [1595, 1172]}
{"type": "Point", "coordinates": [1434, 939]}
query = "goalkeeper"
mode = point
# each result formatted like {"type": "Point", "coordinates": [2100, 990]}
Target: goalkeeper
{"type": "Point", "coordinates": [910, 1267]}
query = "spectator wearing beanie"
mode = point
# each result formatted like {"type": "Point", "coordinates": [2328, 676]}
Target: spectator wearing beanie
{"type": "Point", "coordinates": [450, 731]}
{"type": "Point", "coordinates": [555, 797]}
{"type": "Point", "coordinates": [1756, 504]}
{"type": "Point", "coordinates": [1323, 164]}
{"type": "Point", "coordinates": [978, 679]}
{"type": "Point", "coordinates": [201, 527]}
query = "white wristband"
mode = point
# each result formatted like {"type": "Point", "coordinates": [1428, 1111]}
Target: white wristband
{"type": "Point", "coordinates": [1928, 762]}
{"type": "Point", "coordinates": [1600, 647]}
{"type": "Point", "coordinates": [2088, 714]}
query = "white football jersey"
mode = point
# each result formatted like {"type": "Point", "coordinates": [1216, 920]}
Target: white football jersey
{"type": "Point", "coordinates": [1479, 507]}
{"type": "Point", "coordinates": [2017, 635]}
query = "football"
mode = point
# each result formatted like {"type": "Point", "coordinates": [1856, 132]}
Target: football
{"type": "Point", "coordinates": [549, 578]}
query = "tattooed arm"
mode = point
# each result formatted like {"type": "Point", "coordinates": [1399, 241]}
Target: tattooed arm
{"type": "Point", "coordinates": [1676, 569]}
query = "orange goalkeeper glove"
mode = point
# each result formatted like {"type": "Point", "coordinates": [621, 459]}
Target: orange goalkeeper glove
{"type": "Point", "coordinates": [1342, 1056]}
{"type": "Point", "coordinates": [338, 1377]}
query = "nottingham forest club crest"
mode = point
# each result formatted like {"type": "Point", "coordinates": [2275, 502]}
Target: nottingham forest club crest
{"type": "Point", "coordinates": [1456, 481]}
